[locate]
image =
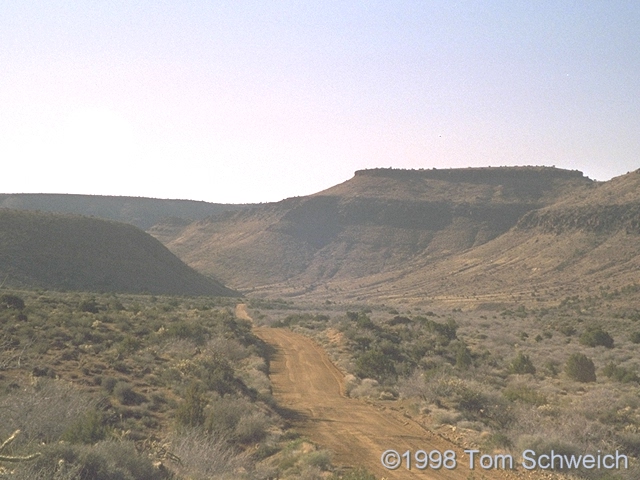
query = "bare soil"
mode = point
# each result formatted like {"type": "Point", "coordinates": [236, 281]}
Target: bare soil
{"type": "Point", "coordinates": [312, 388]}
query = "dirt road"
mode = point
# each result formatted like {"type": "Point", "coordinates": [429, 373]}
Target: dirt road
{"type": "Point", "coordinates": [305, 381]}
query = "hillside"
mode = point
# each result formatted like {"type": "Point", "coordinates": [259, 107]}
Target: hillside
{"type": "Point", "coordinates": [139, 211]}
{"type": "Point", "coordinates": [586, 243]}
{"type": "Point", "coordinates": [379, 225]}
{"type": "Point", "coordinates": [79, 253]}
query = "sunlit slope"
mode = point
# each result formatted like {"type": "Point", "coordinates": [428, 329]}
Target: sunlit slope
{"type": "Point", "coordinates": [587, 243]}
{"type": "Point", "coordinates": [80, 253]}
{"type": "Point", "coordinates": [374, 226]}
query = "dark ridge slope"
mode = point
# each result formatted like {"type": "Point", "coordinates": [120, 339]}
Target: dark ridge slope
{"type": "Point", "coordinates": [605, 208]}
{"type": "Point", "coordinates": [139, 211]}
{"type": "Point", "coordinates": [595, 219]}
{"type": "Point", "coordinates": [81, 253]}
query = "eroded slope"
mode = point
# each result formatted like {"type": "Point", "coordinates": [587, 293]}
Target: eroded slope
{"type": "Point", "coordinates": [377, 223]}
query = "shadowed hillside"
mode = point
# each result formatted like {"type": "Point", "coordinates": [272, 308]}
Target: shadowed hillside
{"type": "Point", "coordinates": [139, 211]}
{"type": "Point", "coordinates": [80, 253]}
{"type": "Point", "coordinates": [380, 222]}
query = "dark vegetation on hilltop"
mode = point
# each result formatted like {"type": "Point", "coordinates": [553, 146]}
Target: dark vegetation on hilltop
{"type": "Point", "coordinates": [525, 175]}
{"type": "Point", "coordinates": [80, 253]}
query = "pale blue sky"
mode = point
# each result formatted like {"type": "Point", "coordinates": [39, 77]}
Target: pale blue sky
{"type": "Point", "coordinates": [250, 101]}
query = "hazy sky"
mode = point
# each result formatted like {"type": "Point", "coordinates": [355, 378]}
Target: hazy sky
{"type": "Point", "coordinates": [250, 101]}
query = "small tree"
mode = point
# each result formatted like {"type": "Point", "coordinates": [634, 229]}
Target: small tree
{"type": "Point", "coordinates": [191, 412]}
{"type": "Point", "coordinates": [463, 357]}
{"type": "Point", "coordinates": [11, 301]}
{"type": "Point", "coordinates": [580, 368]}
{"type": "Point", "coordinates": [596, 336]}
{"type": "Point", "coordinates": [522, 364]}
{"type": "Point", "coordinates": [87, 429]}
{"type": "Point", "coordinates": [375, 364]}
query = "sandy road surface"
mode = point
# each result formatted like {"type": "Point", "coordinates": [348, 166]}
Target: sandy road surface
{"type": "Point", "coordinates": [305, 381]}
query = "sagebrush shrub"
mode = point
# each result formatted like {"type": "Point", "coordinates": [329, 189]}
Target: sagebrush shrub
{"type": "Point", "coordinates": [621, 374]}
{"type": "Point", "coordinates": [126, 395]}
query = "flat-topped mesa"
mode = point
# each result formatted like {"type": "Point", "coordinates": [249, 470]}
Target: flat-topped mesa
{"type": "Point", "coordinates": [490, 175]}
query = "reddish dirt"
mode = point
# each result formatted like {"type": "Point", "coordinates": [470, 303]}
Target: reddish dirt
{"type": "Point", "coordinates": [305, 381]}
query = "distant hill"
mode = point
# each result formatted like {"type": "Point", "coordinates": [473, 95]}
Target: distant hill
{"type": "Point", "coordinates": [139, 211]}
{"type": "Point", "coordinates": [80, 253]}
{"type": "Point", "coordinates": [585, 242]}
{"type": "Point", "coordinates": [381, 225]}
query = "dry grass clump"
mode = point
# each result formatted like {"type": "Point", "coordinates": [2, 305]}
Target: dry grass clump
{"type": "Point", "coordinates": [109, 460]}
{"type": "Point", "coordinates": [204, 456]}
{"type": "Point", "coordinates": [45, 410]}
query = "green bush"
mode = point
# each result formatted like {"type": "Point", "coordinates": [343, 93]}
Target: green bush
{"type": "Point", "coordinates": [106, 460]}
{"type": "Point", "coordinates": [89, 305]}
{"type": "Point", "coordinates": [217, 375]}
{"type": "Point", "coordinates": [463, 357]}
{"type": "Point", "coordinates": [375, 364]}
{"type": "Point", "coordinates": [225, 415]}
{"type": "Point", "coordinates": [109, 383]}
{"type": "Point", "coordinates": [445, 331]}
{"type": "Point", "coordinates": [596, 336]}
{"type": "Point", "coordinates": [580, 368]}
{"type": "Point", "coordinates": [635, 337]}
{"type": "Point", "coordinates": [522, 364]}
{"type": "Point", "coordinates": [128, 345]}
{"type": "Point", "coordinates": [320, 459]}
{"type": "Point", "coordinates": [11, 301]}
{"type": "Point", "coordinates": [126, 395]}
{"type": "Point", "coordinates": [620, 374]}
{"type": "Point", "coordinates": [361, 320]}
{"type": "Point", "coordinates": [251, 428]}
{"type": "Point", "coordinates": [88, 429]}
{"type": "Point", "coordinates": [185, 330]}
{"type": "Point", "coordinates": [470, 400]}
{"type": "Point", "coordinates": [524, 394]}
{"type": "Point", "coordinates": [190, 413]}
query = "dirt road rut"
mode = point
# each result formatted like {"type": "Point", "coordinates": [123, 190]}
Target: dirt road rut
{"type": "Point", "coordinates": [305, 381]}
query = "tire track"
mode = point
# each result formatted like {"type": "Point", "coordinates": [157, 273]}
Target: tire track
{"type": "Point", "coordinates": [306, 382]}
